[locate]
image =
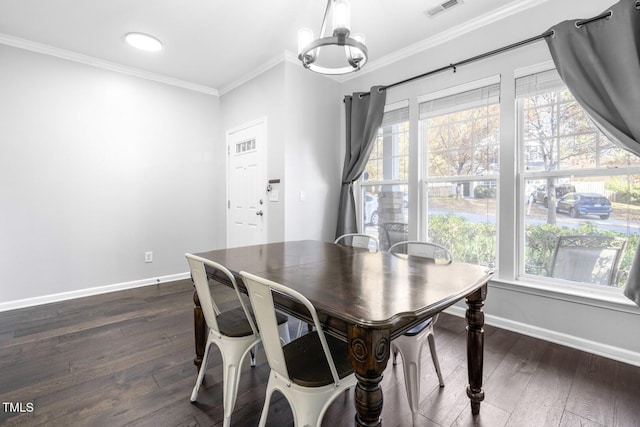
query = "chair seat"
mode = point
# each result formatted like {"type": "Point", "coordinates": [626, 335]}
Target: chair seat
{"type": "Point", "coordinates": [233, 323]}
{"type": "Point", "coordinates": [419, 328]}
{"type": "Point", "coordinates": [307, 365]}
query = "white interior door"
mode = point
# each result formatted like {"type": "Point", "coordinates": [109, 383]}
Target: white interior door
{"type": "Point", "coordinates": [246, 171]}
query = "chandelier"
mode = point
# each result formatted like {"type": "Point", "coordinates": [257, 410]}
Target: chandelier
{"type": "Point", "coordinates": [342, 52]}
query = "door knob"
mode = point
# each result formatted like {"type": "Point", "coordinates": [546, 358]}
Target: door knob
{"type": "Point", "coordinates": [259, 213]}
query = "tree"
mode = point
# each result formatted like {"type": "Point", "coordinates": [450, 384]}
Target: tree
{"type": "Point", "coordinates": [463, 143]}
{"type": "Point", "coordinates": [554, 127]}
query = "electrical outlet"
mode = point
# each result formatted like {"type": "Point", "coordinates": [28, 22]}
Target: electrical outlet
{"type": "Point", "coordinates": [148, 257]}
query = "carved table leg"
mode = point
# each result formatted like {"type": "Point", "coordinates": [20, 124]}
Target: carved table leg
{"type": "Point", "coordinates": [199, 330]}
{"type": "Point", "coordinates": [475, 347]}
{"type": "Point", "coordinates": [369, 353]}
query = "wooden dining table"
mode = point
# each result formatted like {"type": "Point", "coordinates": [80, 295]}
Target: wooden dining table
{"type": "Point", "coordinates": [366, 299]}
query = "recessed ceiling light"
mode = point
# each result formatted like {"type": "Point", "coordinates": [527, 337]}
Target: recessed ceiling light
{"type": "Point", "coordinates": [143, 42]}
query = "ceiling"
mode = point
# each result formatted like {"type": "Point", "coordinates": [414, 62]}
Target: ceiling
{"type": "Point", "coordinates": [215, 44]}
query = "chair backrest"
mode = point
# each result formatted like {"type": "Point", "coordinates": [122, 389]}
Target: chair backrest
{"type": "Point", "coordinates": [434, 251]}
{"type": "Point", "coordinates": [358, 240]}
{"type": "Point", "coordinates": [395, 232]}
{"type": "Point", "coordinates": [261, 297]}
{"type": "Point", "coordinates": [209, 308]}
{"type": "Point", "coordinates": [589, 259]}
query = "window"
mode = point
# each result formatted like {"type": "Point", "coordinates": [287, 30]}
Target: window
{"type": "Point", "coordinates": [460, 136]}
{"type": "Point", "coordinates": [384, 182]}
{"type": "Point", "coordinates": [574, 207]}
{"type": "Point", "coordinates": [575, 182]}
{"type": "Point", "coordinates": [243, 147]}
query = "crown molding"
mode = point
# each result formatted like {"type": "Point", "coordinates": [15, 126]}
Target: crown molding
{"type": "Point", "coordinates": [100, 63]}
{"type": "Point", "coordinates": [287, 56]}
{"type": "Point", "coordinates": [445, 36]}
{"type": "Point", "coordinates": [292, 58]}
{"type": "Point", "coordinates": [256, 72]}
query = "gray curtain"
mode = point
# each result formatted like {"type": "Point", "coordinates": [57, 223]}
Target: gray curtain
{"type": "Point", "coordinates": [600, 64]}
{"type": "Point", "coordinates": [363, 116]}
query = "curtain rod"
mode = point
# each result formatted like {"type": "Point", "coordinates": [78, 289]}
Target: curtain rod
{"type": "Point", "coordinates": [488, 54]}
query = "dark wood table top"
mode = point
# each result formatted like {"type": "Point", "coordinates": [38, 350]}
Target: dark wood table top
{"type": "Point", "coordinates": [373, 290]}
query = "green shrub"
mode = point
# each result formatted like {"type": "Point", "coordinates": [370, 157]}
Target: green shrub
{"type": "Point", "coordinates": [476, 242]}
{"type": "Point", "coordinates": [484, 192]}
{"type": "Point", "coordinates": [626, 192]}
{"type": "Point", "coordinates": [627, 197]}
{"type": "Point", "coordinates": [467, 241]}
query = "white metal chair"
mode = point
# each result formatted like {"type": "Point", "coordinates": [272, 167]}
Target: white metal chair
{"type": "Point", "coordinates": [410, 344]}
{"type": "Point", "coordinates": [310, 371]}
{"type": "Point", "coordinates": [434, 251]}
{"type": "Point", "coordinates": [233, 331]}
{"type": "Point", "coordinates": [358, 240]}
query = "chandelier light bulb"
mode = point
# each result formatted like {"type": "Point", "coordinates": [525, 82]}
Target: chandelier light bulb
{"type": "Point", "coordinates": [305, 36]}
{"type": "Point", "coordinates": [357, 54]}
{"type": "Point", "coordinates": [341, 16]}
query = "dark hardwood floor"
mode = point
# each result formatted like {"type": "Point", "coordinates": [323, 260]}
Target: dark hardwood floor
{"type": "Point", "coordinates": [126, 358]}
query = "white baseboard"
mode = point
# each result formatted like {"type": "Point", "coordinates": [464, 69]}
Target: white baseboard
{"type": "Point", "coordinates": [604, 350]}
{"type": "Point", "coordinates": [63, 296]}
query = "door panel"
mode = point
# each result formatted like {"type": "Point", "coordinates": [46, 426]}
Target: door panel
{"type": "Point", "coordinates": [247, 184]}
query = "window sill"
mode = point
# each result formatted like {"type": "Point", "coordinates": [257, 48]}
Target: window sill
{"type": "Point", "coordinates": [611, 299]}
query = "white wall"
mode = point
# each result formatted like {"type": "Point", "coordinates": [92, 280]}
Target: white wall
{"type": "Point", "coordinates": [608, 327]}
{"type": "Point", "coordinates": [95, 169]}
{"type": "Point", "coordinates": [303, 113]}
{"type": "Point", "coordinates": [313, 163]}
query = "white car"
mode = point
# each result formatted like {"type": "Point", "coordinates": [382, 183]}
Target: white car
{"type": "Point", "coordinates": [370, 209]}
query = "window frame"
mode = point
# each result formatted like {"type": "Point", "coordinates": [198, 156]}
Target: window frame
{"type": "Point", "coordinates": [522, 278]}
{"type": "Point", "coordinates": [363, 185]}
{"type": "Point", "coordinates": [491, 84]}
{"type": "Point", "coordinates": [509, 212]}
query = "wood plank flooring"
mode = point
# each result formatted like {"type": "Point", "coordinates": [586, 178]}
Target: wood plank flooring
{"type": "Point", "coordinates": [126, 358]}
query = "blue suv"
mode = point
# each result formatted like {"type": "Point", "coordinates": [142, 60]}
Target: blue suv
{"type": "Point", "coordinates": [578, 204]}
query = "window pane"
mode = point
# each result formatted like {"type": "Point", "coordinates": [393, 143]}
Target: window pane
{"type": "Point", "coordinates": [579, 227]}
{"type": "Point", "coordinates": [594, 206]}
{"type": "Point", "coordinates": [462, 217]}
{"type": "Point", "coordinates": [463, 143]}
{"type": "Point", "coordinates": [559, 135]}
{"type": "Point", "coordinates": [461, 138]}
{"type": "Point", "coordinates": [610, 155]}
{"type": "Point", "coordinates": [384, 204]}
{"type": "Point", "coordinates": [576, 151]}
{"type": "Point", "coordinates": [389, 159]}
